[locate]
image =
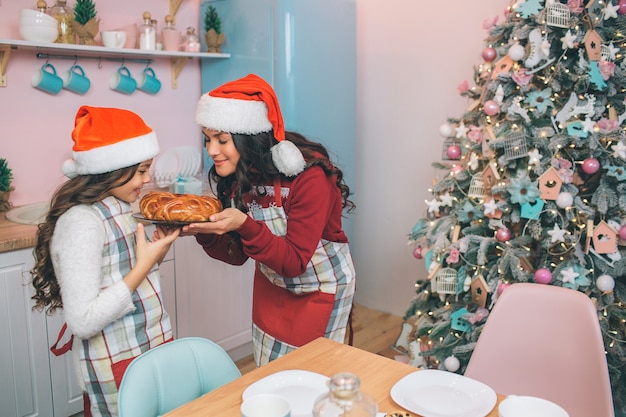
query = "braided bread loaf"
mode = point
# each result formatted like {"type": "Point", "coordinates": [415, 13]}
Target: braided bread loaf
{"type": "Point", "coordinates": [178, 207]}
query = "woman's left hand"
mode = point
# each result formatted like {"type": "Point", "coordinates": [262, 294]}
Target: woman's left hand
{"type": "Point", "coordinates": [220, 223]}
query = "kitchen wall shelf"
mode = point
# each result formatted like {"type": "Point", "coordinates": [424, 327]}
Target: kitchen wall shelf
{"type": "Point", "coordinates": [178, 59]}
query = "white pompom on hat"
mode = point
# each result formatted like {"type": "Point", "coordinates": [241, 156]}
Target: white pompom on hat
{"type": "Point", "coordinates": [108, 139]}
{"type": "Point", "coordinates": [249, 106]}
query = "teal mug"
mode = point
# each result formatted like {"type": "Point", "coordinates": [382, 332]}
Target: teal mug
{"type": "Point", "coordinates": [74, 79]}
{"type": "Point", "coordinates": [46, 79]}
{"type": "Point", "coordinates": [148, 82]}
{"type": "Point", "coordinates": [122, 81]}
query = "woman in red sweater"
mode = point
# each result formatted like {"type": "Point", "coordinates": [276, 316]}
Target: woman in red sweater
{"type": "Point", "coordinates": [283, 202]}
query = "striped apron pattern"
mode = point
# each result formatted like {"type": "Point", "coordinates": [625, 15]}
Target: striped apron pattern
{"type": "Point", "coordinates": [329, 272]}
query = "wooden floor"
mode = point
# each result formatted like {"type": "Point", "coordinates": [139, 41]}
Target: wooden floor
{"type": "Point", "coordinates": [374, 331]}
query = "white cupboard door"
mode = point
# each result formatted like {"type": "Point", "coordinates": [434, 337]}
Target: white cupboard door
{"type": "Point", "coordinates": [25, 388]}
{"type": "Point", "coordinates": [213, 299]}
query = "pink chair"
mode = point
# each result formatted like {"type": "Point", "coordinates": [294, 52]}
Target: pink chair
{"type": "Point", "coordinates": [545, 341]}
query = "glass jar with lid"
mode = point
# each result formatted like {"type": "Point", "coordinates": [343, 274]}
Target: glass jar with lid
{"type": "Point", "coordinates": [147, 33]}
{"type": "Point", "coordinates": [170, 37]}
{"type": "Point", "coordinates": [64, 16]}
{"type": "Point", "coordinates": [192, 41]}
{"type": "Point", "coordinates": [345, 399]}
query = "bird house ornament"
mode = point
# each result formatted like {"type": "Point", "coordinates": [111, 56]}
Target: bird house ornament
{"type": "Point", "coordinates": [550, 183]}
{"type": "Point", "coordinates": [557, 15]}
{"type": "Point", "coordinates": [604, 238]}
{"type": "Point", "coordinates": [445, 281]}
{"type": "Point", "coordinates": [490, 177]}
{"type": "Point", "coordinates": [532, 210]}
{"type": "Point", "coordinates": [479, 290]}
{"type": "Point", "coordinates": [477, 187]}
{"type": "Point", "coordinates": [458, 322]}
{"type": "Point", "coordinates": [515, 146]}
{"type": "Point", "coordinates": [503, 66]}
{"type": "Point", "coordinates": [593, 45]}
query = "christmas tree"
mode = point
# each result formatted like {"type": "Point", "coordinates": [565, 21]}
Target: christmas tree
{"type": "Point", "coordinates": [532, 184]}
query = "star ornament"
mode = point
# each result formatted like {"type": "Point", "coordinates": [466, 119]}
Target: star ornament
{"type": "Point", "coordinates": [447, 200]}
{"type": "Point", "coordinates": [557, 234]}
{"type": "Point", "coordinates": [461, 131]}
{"type": "Point", "coordinates": [433, 205]}
{"type": "Point", "coordinates": [588, 125]}
{"type": "Point", "coordinates": [490, 207]}
{"type": "Point", "coordinates": [610, 11]}
{"type": "Point", "coordinates": [569, 275]}
{"type": "Point", "coordinates": [567, 41]}
{"type": "Point", "coordinates": [619, 150]}
{"type": "Point", "coordinates": [534, 157]}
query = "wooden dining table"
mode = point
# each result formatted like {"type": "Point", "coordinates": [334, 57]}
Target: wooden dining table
{"type": "Point", "coordinates": [377, 374]}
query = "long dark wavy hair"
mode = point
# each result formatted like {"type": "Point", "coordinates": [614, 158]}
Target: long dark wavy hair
{"type": "Point", "coordinates": [83, 189]}
{"type": "Point", "coordinates": [255, 167]}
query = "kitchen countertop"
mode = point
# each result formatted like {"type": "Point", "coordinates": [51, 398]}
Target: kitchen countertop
{"type": "Point", "coordinates": [14, 236]}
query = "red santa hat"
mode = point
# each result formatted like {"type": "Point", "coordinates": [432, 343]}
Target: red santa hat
{"type": "Point", "coordinates": [249, 106]}
{"type": "Point", "coordinates": [107, 139]}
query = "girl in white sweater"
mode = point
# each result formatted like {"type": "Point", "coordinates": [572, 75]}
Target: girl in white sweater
{"type": "Point", "coordinates": [93, 259]}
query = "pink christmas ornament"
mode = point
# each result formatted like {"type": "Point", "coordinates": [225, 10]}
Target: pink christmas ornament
{"type": "Point", "coordinates": [489, 54]}
{"type": "Point", "coordinates": [622, 7]}
{"type": "Point", "coordinates": [622, 232]}
{"type": "Point", "coordinates": [491, 108]}
{"type": "Point", "coordinates": [503, 235]}
{"type": "Point", "coordinates": [417, 253]}
{"type": "Point", "coordinates": [501, 287]}
{"type": "Point", "coordinates": [591, 165]}
{"type": "Point", "coordinates": [543, 276]}
{"type": "Point", "coordinates": [453, 152]}
{"type": "Point", "coordinates": [456, 169]}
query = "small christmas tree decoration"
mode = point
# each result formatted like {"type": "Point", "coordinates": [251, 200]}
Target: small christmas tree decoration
{"type": "Point", "coordinates": [6, 177]}
{"type": "Point", "coordinates": [491, 108]}
{"type": "Point", "coordinates": [591, 166]}
{"type": "Point", "coordinates": [604, 238]}
{"type": "Point", "coordinates": [564, 200]}
{"type": "Point", "coordinates": [489, 54]}
{"type": "Point", "coordinates": [417, 253]}
{"type": "Point", "coordinates": [622, 232]}
{"type": "Point", "coordinates": [503, 235]}
{"type": "Point", "coordinates": [85, 24]}
{"type": "Point", "coordinates": [213, 27]}
{"type": "Point", "coordinates": [453, 152]}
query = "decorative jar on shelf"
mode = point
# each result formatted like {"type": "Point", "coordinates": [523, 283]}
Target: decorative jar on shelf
{"type": "Point", "coordinates": [192, 41]}
{"type": "Point", "coordinates": [170, 37]}
{"type": "Point", "coordinates": [64, 16]}
{"type": "Point", "coordinates": [147, 33]}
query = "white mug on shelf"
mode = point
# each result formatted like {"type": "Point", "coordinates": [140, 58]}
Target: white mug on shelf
{"type": "Point", "coordinates": [113, 38]}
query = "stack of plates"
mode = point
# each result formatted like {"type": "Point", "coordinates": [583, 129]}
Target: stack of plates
{"type": "Point", "coordinates": [180, 161]}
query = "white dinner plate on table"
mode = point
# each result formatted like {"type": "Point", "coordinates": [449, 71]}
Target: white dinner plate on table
{"type": "Point", "coordinates": [434, 393]}
{"type": "Point", "coordinates": [300, 388]}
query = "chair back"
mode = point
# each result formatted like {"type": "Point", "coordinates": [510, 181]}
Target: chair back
{"type": "Point", "coordinates": [545, 341]}
{"type": "Point", "coordinates": [173, 374]}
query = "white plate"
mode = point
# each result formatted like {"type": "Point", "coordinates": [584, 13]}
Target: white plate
{"type": "Point", "coordinates": [300, 388]}
{"type": "Point", "coordinates": [434, 393]}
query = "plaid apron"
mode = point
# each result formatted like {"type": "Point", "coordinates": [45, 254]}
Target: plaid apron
{"type": "Point", "coordinates": [289, 312]}
{"type": "Point", "coordinates": [104, 357]}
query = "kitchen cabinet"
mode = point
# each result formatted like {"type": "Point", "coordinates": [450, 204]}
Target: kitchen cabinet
{"type": "Point", "coordinates": [24, 361]}
{"type": "Point", "coordinates": [203, 297]}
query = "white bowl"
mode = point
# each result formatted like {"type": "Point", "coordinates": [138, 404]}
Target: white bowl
{"type": "Point", "coordinates": [35, 17]}
{"type": "Point", "coordinates": [38, 34]}
{"type": "Point", "coordinates": [524, 406]}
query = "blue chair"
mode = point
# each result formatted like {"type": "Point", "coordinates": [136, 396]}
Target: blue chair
{"type": "Point", "coordinates": [173, 374]}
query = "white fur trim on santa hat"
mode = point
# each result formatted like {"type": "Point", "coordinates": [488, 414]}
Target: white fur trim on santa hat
{"type": "Point", "coordinates": [230, 115]}
{"type": "Point", "coordinates": [109, 158]}
{"type": "Point", "coordinates": [287, 158]}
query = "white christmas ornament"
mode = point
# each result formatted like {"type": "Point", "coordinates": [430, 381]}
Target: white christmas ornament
{"type": "Point", "coordinates": [569, 275]}
{"type": "Point", "coordinates": [567, 41]}
{"type": "Point", "coordinates": [557, 234]}
{"type": "Point", "coordinates": [445, 130]}
{"type": "Point", "coordinates": [605, 283]}
{"type": "Point", "coordinates": [452, 363]}
{"type": "Point", "coordinates": [534, 157]}
{"type": "Point", "coordinates": [610, 11]}
{"type": "Point", "coordinates": [517, 52]}
{"type": "Point", "coordinates": [564, 200]}
{"type": "Point", "coordinates": [619, 150]}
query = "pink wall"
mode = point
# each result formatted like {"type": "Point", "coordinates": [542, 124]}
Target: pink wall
{"type": "Point", "coordinates": [35, 127]}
